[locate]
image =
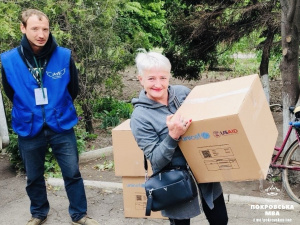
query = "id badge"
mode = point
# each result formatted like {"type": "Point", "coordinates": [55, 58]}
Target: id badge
{"type": "Point", "coordinates": [40, 99]}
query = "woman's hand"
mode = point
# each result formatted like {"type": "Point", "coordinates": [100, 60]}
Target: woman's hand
{"type": "Point", "coordinates": [177, 125]}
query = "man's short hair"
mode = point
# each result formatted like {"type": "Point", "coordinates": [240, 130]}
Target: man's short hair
{"type": "Point", "coordinates": [29, 12]}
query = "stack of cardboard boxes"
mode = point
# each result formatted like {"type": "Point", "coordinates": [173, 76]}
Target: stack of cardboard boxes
{"type": "Point", "coordinates": [129, 163]}
{"type": "Point", "coordinates": [231, 138]}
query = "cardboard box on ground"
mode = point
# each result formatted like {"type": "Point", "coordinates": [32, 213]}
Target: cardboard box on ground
{"type": "Point", "coordinates": [135, 199]}
{"type": "Point", "coordinates": [231, 138]}
{"type": "Point", "coordinates": [129, 163]}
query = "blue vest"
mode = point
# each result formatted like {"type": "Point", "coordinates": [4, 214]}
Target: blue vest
{"type": "Point", "coordinates": [28, 118]}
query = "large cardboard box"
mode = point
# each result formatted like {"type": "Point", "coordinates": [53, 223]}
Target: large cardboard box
{"type": "Point", "coordinates": [233, 133]}
{"type": "Point", "coordinates": [135, 198]}
{"type": "Point", "coordinates": [128, 157]}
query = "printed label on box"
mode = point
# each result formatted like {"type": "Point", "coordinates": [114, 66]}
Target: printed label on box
{"type": "Point", "coordinates": [216, 157]}
{"type": "Point", "coordinates": [221, 164]}
{"type": "Point", "coordinates": [140, 201]}
{"type": "Point", "coordinates": [215, 151]}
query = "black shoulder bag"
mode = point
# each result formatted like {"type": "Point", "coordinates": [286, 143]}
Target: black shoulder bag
{"type": "Point", "coordinates": [170, 186]}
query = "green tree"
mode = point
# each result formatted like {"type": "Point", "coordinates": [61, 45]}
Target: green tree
{"type": "Point", "coordinates": [141, 23]}
{"type": "Point", "coordinates": [197, 28]}
{"type": "Point", "coordinates": [10, 27]}
{"type": "Point", "coordinates": [103, 37]}
{"type": "Point", "coordinates": [10, 36]}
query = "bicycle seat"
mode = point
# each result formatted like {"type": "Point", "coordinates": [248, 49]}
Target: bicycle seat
{"type": "Point", "coordinates": [297, 112]}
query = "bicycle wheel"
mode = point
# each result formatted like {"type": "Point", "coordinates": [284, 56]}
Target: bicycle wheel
{"type": "Point", "coordinates": [291, 178]}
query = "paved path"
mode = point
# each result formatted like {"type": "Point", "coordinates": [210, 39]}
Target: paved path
{"type": "Point", "coordinates": [105, 204]}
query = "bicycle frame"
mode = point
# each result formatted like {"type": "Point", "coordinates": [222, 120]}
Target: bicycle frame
{"type": "Point", "coordinates": [280, 149]}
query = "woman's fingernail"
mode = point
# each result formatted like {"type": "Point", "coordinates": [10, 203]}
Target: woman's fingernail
{"type": "Point", "coordinates": [190, 120]}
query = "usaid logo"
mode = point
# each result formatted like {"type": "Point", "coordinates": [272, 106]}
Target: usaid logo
{"type": "Point", "coordinates": [224, 133]}
{"type": "Point", "coordinates": [203, 135]}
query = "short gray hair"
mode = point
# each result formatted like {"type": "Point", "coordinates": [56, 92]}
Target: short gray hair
{"type": "Point", "coordinates": [151, 60]}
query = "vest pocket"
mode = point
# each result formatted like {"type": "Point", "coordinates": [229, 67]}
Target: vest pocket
{"type": "Point", "coordinates": [22, 121]}
{"type": "Point", "coordinates": [66, 116]}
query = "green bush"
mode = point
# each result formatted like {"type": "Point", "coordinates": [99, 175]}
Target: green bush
{"type": "Point", "coordinates": [13, 152]}
{"type": "Point", "coordinates": [52, 168]}
{"type": "Point", "coordinates": [111, 111]}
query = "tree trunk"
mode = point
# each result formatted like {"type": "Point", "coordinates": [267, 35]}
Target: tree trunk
{"type": "Point", "coordinates": [290, 19]}
{"type": "Point", "coordinates": [88, 116]}
{"type": "Point", "coordinates": [266, 86]}
{"type": "Point", "coordinates": [264, 64]}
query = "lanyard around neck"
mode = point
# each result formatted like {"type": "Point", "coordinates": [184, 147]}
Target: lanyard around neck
{"type": "Point", "coordinates": [39, 69]}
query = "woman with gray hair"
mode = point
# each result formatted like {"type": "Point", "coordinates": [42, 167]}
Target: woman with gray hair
{"type": "Point", "coordinates": [157, 132]}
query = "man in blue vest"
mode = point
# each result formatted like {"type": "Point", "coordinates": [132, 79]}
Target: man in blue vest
{"type": "Point", "coordinates": [41, 80]}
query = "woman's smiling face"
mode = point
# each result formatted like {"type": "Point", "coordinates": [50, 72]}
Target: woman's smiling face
{"type": "Point", "coordinates": [155, 83]}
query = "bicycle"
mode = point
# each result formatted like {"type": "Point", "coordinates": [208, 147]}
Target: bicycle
{"type": "Point", "coordinates": [289, 164]}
